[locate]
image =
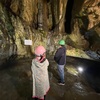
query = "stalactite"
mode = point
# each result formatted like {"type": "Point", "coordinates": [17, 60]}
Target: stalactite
{"type": "Point", "coordinates": [40, 15]}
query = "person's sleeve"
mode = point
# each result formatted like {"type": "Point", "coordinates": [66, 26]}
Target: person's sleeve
{"type": "Point", "coordinates": [32, 67]}
{"type": "Point", "coordinates": [47, 63]}
{"type": "Point", "coordinates": [57, 55]}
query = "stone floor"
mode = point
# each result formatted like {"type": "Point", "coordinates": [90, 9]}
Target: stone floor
{"type": "Point", "coordinates": [16, 83]}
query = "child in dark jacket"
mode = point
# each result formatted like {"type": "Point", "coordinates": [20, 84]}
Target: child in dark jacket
{"type": "Point", "coordinates": [60, 59]}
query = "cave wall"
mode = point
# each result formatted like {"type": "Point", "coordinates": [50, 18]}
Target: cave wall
{"type": "Point", "coordinates": [43, 22]}
{"type": "Point", "coordinates": [85, 22]}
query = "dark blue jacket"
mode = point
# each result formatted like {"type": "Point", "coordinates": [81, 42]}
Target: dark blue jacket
{"type": "Point", "coordinates": [60, 56]}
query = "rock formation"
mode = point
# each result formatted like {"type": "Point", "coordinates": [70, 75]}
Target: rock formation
{"type": "Point", "coordinates": [45, 22]}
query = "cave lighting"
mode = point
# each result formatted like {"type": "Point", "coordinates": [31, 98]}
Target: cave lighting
{"type": "Point", "coordinates": [80, 69]}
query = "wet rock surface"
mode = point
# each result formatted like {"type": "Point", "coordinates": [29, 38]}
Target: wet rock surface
{"type": "Point", "coordinates": [16, 83]}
